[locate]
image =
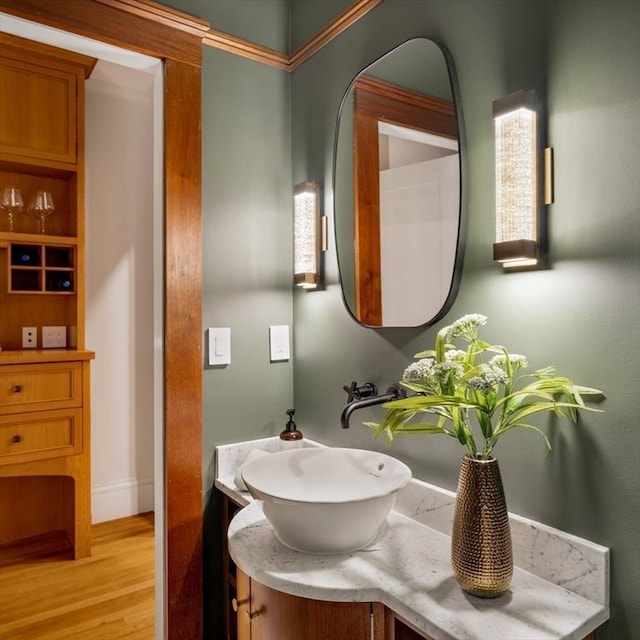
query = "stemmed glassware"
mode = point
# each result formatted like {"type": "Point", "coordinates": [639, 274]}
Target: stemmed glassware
{"type": "Point", "coordinates": [41, 206]}
{"type": "Point", "coordinates": [11, 203]}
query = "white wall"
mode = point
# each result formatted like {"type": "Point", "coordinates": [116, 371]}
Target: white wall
{"type": "Point", "coordinates": [119, 288]}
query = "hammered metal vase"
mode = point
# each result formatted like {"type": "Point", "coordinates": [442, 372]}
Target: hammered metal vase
{"type": "Point", "coordinates": [481, 551]}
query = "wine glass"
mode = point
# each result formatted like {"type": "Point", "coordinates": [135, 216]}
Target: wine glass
{"type": "Point", "coordinates": [41, 206]}
{"type": "Point", "coordinates": [11, 203]}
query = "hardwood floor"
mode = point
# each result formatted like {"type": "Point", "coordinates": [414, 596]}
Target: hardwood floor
{"type": "Point", "coordinates": [108, 596]}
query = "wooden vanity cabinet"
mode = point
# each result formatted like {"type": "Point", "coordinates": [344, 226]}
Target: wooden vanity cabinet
{"type": "Point", "coordinates": [44, 392]}
{"type": "Point", "coordinates": [256, 612]}
{"type": "Point", "coordinates": [267, 614]}
{"type": "Point", "coordinates": [229, 572]}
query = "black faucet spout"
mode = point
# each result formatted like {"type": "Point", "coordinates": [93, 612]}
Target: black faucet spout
{"type": "Point", "coordinates": [393, 393]}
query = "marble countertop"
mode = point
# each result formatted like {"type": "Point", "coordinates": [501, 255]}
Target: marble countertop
{"type": "Point", "coordinates": [559, 589]}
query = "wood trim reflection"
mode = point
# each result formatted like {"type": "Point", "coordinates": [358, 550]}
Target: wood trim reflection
{"type": "Point", "coordinates": [368, 269]}
{"type": "Point", "coordinates": [375, 101]}
{"type": "Point", "coordinates": [397, 105]}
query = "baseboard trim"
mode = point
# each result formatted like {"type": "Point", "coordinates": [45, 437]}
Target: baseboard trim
{"type": "Point", "coordinates": [121, 499]}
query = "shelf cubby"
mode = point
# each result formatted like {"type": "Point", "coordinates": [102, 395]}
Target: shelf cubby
{"type": "Point", "coordinates": [41, 268]}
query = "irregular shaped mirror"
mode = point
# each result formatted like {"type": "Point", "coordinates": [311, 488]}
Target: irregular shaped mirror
{"type": "Point", "coordinates": [397, 189]}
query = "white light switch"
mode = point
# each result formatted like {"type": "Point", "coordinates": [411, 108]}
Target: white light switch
{"type": "Point", "coordinates": [279, 342]}
{"type": "Point", "coordinates": [219, 345]}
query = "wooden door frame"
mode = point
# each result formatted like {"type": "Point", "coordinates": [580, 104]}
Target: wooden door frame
{"type": "Point", "coordinates": [175, 38]}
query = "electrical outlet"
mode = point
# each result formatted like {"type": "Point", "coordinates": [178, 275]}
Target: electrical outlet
{"type": "Point", "coordinates": [279, 342]}
{"type": "Point", "coordinates": [29, 337]}
{"type": "Point", "coordinates": [54, 337]}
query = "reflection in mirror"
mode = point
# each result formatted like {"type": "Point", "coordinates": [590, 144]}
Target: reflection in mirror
{"type": "Point", "coordinates": [397, 189]}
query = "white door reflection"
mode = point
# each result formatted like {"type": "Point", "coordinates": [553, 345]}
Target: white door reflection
{"type": "Point", "coordinates": [419, 202]}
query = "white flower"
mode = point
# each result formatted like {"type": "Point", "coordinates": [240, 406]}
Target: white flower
{"type": "Point", "coordinates": [516, 361]}
{"type": "Point", "coordinates": [433, 376]}
{"type": "Point", "coordinates": [467, 326]}
{"type": "Point", "coordinates": [447, 371]}
{"type": "Point", "coordinates": [418, 371]}
{"type": "Point", "coordinates": [489, 378]}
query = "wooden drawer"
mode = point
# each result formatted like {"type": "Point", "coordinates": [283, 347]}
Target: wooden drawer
{"type": "Point", "coordinates": [38, 435]}
{"type": "Point", "coordinates": [34, 387]}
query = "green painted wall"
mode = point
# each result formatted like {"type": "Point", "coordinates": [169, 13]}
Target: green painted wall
{"type": "Point", "coordinates": [582, 315]}
{"type": "Point", "coordinates": [247, 245]}
{"type": "Point", "coordinates": [308, 17]}
{"type": "Point", "coordinates": [264, 130]}
{"type": "Point", "coordinates": [264, 22]}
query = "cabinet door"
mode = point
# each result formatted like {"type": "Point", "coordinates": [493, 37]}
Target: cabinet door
{"type": "Point", "coordinates": [279, 616]}
{"type": "Point", "coordinates": [31, 93]}
{"type": "Point", "coordinates": [242, 605]}
{"type": "Point", "coordinates": [401, 631]}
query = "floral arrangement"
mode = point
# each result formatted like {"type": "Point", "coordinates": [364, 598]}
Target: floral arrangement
{"type": "Point", "coordinates": [452, 385]}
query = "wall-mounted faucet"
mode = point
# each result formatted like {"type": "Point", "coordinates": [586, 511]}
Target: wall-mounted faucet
{"type": "Point", "coordinates": [366, 395]}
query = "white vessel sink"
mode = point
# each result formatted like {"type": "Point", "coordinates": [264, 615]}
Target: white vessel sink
{"type": "Point", "coordinates": [326, 500]}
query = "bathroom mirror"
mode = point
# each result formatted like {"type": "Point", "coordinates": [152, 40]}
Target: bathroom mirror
{"type": "Point", "coordinates": [398, 188]}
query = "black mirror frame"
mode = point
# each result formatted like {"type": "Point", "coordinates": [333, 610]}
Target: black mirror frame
{"type": "Point", "coordinates": [463, 196]}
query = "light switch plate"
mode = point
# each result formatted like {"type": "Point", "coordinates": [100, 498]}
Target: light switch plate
{"type": "Point", "coordinates": [219, 339]}
{"type": "Point", "coordinates": [279, 342]}
{"type": "Point", "coordinates": [54, 337]}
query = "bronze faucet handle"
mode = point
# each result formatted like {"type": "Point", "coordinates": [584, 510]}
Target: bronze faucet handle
{"type": "Point", "coordinates": [355, 392]}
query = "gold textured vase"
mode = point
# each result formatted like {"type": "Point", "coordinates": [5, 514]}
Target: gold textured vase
{"type": "Point", "coordinates": [481, 551]}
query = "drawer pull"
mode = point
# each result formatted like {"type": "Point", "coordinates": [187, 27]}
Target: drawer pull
{"type": "Point", "coordinates": [236, 604]}
{"type": "Point", "coordinates": [254, 614]}
{"type": "Point", "coordinates": [16, 439]}
{"type": "Point", "coordinates": [17, 388]}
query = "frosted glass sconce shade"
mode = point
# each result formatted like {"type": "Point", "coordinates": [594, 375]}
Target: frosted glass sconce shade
{"type": "Point", "coordinates": [308, 235]}
{"type": "Point", "coordinates": [517, 180]}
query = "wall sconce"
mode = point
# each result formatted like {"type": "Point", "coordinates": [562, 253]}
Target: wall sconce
{"type": "Point", "coordinates": [518, 181]}
{"type": "Point", "coordinates": [309, 235]}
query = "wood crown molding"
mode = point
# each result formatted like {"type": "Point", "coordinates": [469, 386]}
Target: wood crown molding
{"type": "Point", "coordinates": [333, 29]}
{"type": "Point", "coordinates": [160, 13]}
{"type": "Point", "coordinates": [244, 48]}
{"type": "Point", "coordinates": [168, 17]}
{"type": "Point", "coordinates": [274, 58]}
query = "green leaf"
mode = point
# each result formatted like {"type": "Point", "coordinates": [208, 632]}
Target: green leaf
{"type": "Point", "coordinates": [523, 426]}
{"type": "Point", "coordinates": [426, 402]}
{"type": "Point", "coordinates": [414, 386]}
{"type": "Point", "coordinates": [424, 427]}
